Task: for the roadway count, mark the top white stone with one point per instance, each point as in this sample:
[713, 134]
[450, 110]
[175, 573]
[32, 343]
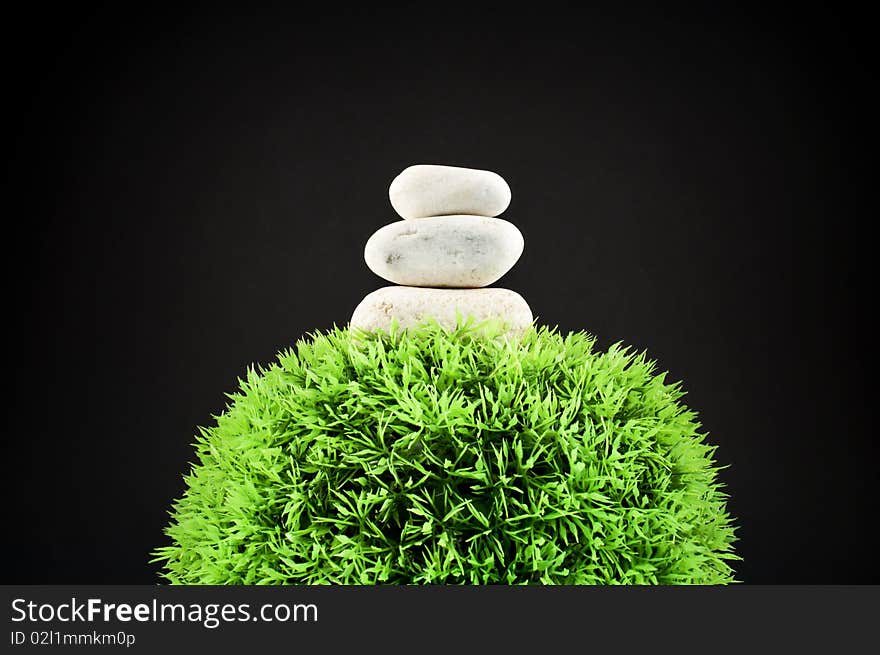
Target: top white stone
[425, 190]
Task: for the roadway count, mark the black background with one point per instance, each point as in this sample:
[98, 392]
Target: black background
[195, 191]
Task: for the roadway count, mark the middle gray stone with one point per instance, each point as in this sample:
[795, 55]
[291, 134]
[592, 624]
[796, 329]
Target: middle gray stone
[457, 251]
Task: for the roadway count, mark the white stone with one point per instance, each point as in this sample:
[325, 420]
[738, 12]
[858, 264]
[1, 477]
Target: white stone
[446, 251]
[413, 305]
[427, 190]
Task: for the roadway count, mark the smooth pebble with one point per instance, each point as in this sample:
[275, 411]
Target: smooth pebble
[426, 190]
[448, 251]
[413, 305]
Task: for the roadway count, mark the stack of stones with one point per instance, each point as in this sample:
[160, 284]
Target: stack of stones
[449, 246]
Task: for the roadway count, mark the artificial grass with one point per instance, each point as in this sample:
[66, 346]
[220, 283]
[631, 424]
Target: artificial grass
[431, 456]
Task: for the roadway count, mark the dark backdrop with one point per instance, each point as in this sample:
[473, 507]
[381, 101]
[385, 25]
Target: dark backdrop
[196, 191]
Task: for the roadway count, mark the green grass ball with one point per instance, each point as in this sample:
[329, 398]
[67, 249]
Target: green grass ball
[434, 456]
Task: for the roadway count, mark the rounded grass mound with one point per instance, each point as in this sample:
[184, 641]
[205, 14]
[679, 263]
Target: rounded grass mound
[432, 456]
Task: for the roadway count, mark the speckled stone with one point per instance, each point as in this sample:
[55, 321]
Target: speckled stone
[447, 251]
[412, 305]
[428, 190]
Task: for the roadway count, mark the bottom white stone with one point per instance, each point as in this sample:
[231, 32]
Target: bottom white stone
[413, 305]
